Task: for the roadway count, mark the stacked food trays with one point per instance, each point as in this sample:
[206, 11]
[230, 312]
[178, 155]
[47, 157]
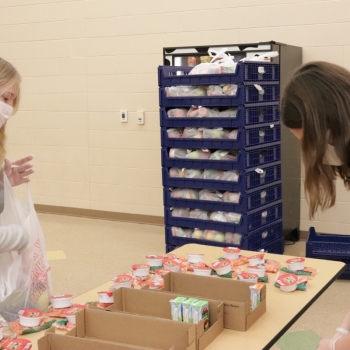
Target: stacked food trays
[221, 157]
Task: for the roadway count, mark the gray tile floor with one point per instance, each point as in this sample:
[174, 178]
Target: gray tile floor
[96, 250]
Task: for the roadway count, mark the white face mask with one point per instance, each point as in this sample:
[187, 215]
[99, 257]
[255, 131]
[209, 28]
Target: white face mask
[5, 112]
[331, 157]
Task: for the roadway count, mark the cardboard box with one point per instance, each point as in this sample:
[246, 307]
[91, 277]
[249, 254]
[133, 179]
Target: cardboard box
[234, 294]
[156, 304]
[139, 331]
[53, 341]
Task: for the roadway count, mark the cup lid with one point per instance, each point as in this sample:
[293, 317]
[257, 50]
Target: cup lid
[287, 279]
[74, 309]
[231, 250]
[161, 272]
[295, 260]
[18, 344]
[30, 313]
[171, 262]
[248, 275]
[140, 267]
[109, 293]
[258, 256]
[154, 257]
[124, 278]
[61, 296]
[220, 263]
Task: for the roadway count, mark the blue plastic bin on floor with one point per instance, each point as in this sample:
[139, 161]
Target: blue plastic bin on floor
[251, 114]
[249, 200]
[249, 222]
[246, 93]
[329, 247]
[247, 179]
[245, 72]
[246, 137]
[247, 158]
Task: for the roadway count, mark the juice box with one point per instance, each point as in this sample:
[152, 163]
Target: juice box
[176, 308]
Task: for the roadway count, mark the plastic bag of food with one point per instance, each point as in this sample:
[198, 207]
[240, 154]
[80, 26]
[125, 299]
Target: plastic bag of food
[180, 212]
[214, 90]
[199, 214]
[212, 174]
[223, 154]
[229, 113]
[178, 91]
[174, 133]
[192, 133]
[198, 234]
[193, 173]
[202, 112]
[185, 193]
[198, 154]
[177, 113]
[233, 238]
[230, 175]
[212, 235]
[181, 232]
[178, 153]
[224, 60]
[218, 216]
[230, 89]
[176, 172]
[232, 134]
[231, 197]
[216, 133]
[210, 195]
[206, 68]
[233, 218]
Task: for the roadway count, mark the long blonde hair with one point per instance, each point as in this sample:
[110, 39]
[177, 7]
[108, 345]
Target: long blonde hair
[9, 77]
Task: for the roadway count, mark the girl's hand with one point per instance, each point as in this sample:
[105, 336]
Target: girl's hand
[17, 172]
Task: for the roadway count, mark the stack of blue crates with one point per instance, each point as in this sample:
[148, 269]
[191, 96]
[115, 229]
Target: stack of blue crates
[258, 162]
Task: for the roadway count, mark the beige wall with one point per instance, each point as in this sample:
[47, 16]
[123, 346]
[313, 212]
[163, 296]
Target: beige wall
[83, 61]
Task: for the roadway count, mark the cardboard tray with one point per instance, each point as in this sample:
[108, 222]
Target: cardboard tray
[121, 329]
[234, 294]
[156, 304]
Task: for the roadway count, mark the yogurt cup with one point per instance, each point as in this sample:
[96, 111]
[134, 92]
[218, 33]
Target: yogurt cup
[256, 260]
[140, 270]
[222, 267]
[195, 258]
[295, 264]
[161, 273]
[231, 253]
[70, 313]
[1, 332]
[30, 317]
[154, 285]
[172, 265]
[123, 280]
[105, 297]
[258, 270]
[61, 301]
[202, 270]
[18, 344]
[248, 277]
[154, 260]
[287, 282]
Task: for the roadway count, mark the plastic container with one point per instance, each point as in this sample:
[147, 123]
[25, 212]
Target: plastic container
[247, 158]
[221, 267]
[30, 317]
[124, 280]
[172, 265]
[295, 264]
[231, 253]
[154, 260]
[61, 301]
[256, 260]
[287, 282]
[105, 297]
[249, 114]
[70, 313]
[246, 137]
[246, 93]
[258, 270]
[248, 277]
[245, 71]
[140, 270]
[201, 270]
[161, 272]
[18, 344]
[195, 258]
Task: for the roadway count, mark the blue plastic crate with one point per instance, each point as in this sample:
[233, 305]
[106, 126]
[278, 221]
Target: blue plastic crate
[276, 247]
[249, 200]
[250, 157]
[250, 221]
[245, 72]
[247, 179]
[329, 247]
[246, 93]
[248, 136]
[251, 114]
[263, 238]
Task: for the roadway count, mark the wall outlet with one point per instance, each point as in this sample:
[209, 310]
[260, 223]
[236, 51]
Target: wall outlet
[124, 116]
[140, 117]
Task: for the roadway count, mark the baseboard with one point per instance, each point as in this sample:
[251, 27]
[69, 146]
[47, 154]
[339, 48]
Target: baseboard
[99, 214]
